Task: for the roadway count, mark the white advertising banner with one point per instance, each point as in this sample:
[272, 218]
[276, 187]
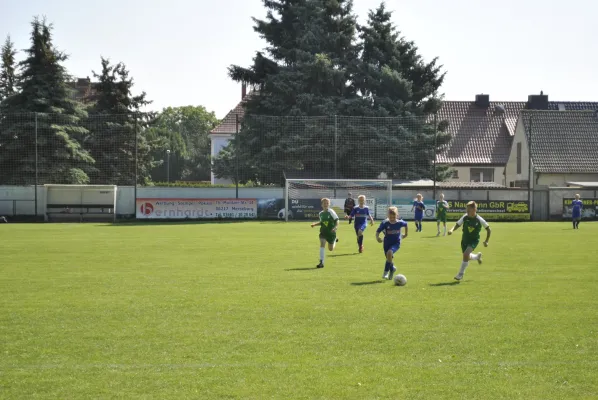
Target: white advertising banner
[196, 208]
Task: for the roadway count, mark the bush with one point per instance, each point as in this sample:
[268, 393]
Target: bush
[207, 185]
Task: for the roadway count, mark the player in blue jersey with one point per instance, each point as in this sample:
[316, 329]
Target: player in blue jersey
[392, 239]
[361, 214]
[576, 207]
[419, 207]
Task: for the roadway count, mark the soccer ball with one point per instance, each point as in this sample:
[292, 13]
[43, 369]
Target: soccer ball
[400, 280]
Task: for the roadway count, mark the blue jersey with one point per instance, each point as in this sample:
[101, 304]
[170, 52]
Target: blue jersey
[419, 207]
[392, 231]
[360, 214]
[576, 206]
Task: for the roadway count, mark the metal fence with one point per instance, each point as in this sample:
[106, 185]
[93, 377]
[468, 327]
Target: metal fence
[128, 149]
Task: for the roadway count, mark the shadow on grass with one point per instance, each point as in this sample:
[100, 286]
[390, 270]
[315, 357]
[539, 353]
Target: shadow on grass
[343, 255]
[366, 283]
[430, 237]
[302, 269]
[445, 284]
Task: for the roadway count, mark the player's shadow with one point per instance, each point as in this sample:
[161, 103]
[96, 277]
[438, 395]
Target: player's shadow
[342, 255]
[366, 283]
[444, 284]
[302, 269]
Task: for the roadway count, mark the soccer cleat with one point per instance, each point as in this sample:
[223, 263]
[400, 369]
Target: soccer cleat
[458, 277]
[480, 258]
[438, 234]
[320, 265]
[361, 249]
[392, 272]
[385, 276]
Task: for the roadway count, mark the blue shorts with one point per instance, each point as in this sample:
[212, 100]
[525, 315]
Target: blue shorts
[391, 246]
[360, 227]
[576, 216]
[419, 217]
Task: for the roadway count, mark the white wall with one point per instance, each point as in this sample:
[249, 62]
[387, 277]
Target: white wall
[560, 180]
[464, 173]
[22, 198]
[219, 141]
[511, 170]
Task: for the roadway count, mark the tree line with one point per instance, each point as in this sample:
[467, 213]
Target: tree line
[44, 130]
[320, 62]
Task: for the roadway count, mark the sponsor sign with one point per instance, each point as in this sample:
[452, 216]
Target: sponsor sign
[310, 208]
[589, 210]
[490, 207]
[165, 208]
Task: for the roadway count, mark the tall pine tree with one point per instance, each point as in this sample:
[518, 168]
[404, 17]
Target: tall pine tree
[44, 105]
[395, 82]
[115, 123]
[304, 72]
[8, 73]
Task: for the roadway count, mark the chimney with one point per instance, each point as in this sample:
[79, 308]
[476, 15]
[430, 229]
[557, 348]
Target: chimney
[537, 101]
[482, 100]
[243, 90]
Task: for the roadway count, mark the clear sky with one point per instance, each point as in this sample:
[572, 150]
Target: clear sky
[178, 51]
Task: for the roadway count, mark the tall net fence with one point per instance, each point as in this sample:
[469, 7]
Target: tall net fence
[269, 149]
[43, 149]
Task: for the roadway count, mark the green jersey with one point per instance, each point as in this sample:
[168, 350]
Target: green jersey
[471, 228]
[441, 208]
[328, 220]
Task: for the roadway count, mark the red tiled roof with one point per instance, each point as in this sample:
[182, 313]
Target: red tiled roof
[479, 135]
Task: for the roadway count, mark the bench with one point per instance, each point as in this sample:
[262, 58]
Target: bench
[80, 210]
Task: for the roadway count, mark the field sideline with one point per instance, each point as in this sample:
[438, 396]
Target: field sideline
[238, 311]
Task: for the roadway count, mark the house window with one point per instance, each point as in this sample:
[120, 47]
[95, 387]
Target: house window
[455, 174]
[481, 174]
[519, 157]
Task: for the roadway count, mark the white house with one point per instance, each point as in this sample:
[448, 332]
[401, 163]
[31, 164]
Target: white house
[562, 145]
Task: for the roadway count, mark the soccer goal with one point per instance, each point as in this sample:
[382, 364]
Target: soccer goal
[80, 203]
[302, 196]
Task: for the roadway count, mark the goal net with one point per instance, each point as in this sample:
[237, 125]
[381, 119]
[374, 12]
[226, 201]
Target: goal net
[302, 196]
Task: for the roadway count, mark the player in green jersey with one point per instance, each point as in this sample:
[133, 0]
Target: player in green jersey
[472, 225]
[328, 225]
[441, 209]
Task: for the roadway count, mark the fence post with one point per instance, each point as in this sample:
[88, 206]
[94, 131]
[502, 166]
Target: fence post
[237, 155]
[36, 166]
[335, 146]
[435, 144]
[136, 116]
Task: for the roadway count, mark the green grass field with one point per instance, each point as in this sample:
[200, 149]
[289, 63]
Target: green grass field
[237, 311]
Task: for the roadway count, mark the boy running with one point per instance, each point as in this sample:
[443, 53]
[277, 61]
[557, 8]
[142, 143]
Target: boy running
[472, 225]
[419, 207]
[361, 213]
[349, 205]
[328, 225]
[441, 209]
[392, 239]
[576, 207]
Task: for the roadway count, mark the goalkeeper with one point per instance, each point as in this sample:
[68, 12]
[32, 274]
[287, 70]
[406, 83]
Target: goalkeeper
[349, 205]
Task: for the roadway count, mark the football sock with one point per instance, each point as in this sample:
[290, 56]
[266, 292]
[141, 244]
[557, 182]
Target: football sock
[445, 230]
[573, 224]
[474, 256]
[387, 266]
[464, 265]
[360, 240]
[322, 253]
[577, 224]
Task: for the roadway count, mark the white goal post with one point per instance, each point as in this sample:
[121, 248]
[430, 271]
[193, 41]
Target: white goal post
[302, 196]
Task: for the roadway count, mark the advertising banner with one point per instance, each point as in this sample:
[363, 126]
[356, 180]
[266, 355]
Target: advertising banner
[589, 210]
[165, 208]
[310, 208]
[490, 207]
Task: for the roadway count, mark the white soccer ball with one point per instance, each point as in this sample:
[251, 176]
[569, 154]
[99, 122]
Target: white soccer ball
[400, 280]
